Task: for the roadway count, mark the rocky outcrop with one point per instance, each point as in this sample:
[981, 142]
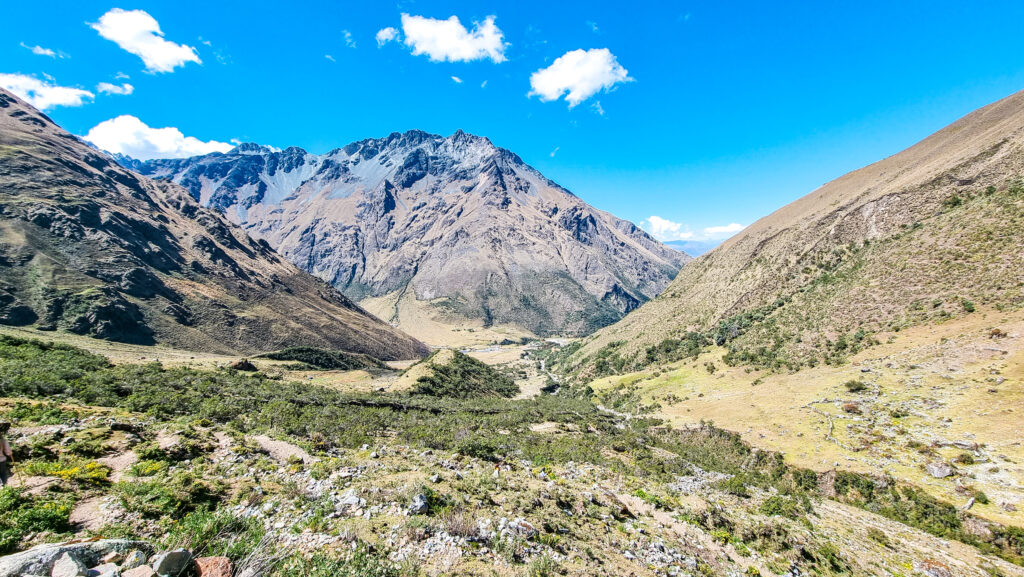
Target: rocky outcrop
[91, 248]
[457, 222]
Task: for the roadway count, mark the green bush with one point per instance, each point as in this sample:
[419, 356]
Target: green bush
[464, 377]
[325, 359]
[168, 494]
[22, 514]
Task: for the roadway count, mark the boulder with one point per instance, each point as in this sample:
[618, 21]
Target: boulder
[244, 365]
[939, 469]
[419, 505]
[140, 571]
[172, 563]
[213, 567]
[68, 565]
[40, 560]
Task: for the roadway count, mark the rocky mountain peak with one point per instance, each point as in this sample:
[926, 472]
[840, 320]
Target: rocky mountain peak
[457, 223]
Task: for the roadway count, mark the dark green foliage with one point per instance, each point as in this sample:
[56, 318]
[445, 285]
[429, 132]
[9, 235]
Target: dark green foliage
[781, 506]
[855, 386]
[325, 359]
[168, 494]
[21, 514]
[464, 377]
[41, 413]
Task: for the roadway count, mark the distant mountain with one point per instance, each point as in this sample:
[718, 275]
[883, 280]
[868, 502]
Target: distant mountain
[930, 233]
[454, 228]
[89, 247]
[693, 248]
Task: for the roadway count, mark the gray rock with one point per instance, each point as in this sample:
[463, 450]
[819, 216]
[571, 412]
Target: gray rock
[68, 565]
[134, 559]
[419, 505]
[939, 470]
[40, 560]
[172, 563]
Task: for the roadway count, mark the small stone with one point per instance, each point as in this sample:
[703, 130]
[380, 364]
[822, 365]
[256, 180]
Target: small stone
[213, 567]
[140, 571]
[134, 559]
[112, 557]
[172, 563]
[68, 566]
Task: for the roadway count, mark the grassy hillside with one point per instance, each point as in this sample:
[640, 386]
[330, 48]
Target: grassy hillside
[295, 477]
[927, 234]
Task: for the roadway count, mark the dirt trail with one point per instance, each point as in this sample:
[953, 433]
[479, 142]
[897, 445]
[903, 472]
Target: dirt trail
[282, 451]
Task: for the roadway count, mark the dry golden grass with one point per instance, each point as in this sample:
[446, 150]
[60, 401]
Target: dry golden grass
[937, 379]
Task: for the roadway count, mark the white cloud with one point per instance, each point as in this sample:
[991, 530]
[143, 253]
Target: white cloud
[129, 135]
[449, 40]
[349, 41]
[483, 84]
[555, 151]
[726, 230]
[593, 27]
[139, 33]
[579, 75]
[109, 88]
[457, 79]
[42, 94]
[40, 51]
[329, 57]
[666, 230]
[597, 108]
[385, 35]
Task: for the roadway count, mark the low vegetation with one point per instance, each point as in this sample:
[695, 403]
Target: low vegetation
[180, 494]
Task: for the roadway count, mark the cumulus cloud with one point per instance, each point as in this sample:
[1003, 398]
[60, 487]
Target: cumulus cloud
[726, 230]
[40, 51]
[108, 88]
[139, 33]
[128, 135]
[449, 40]
[578, 75]
[667, 230]
[664, 229]
[43, 94]
[385, 35]
[349, 41]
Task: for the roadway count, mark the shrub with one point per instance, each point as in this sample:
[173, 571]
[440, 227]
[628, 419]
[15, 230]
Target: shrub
[77, 470]
[780, 506]
[855, 386]
[22, 514]
[325, 359]
[464, 377]
[162, 495]
[217, 533]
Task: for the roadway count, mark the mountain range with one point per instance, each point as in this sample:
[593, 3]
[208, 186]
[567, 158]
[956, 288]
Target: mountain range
[89, 247]
[426, 230]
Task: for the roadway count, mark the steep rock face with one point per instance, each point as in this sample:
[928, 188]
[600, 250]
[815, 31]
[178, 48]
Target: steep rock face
[928, 233]
[89, 247]
[455, 222]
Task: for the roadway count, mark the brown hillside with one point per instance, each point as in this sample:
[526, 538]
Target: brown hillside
[917, 237]
[89, 247]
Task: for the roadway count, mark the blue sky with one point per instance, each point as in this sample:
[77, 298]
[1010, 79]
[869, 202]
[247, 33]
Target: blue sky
[703, 114]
